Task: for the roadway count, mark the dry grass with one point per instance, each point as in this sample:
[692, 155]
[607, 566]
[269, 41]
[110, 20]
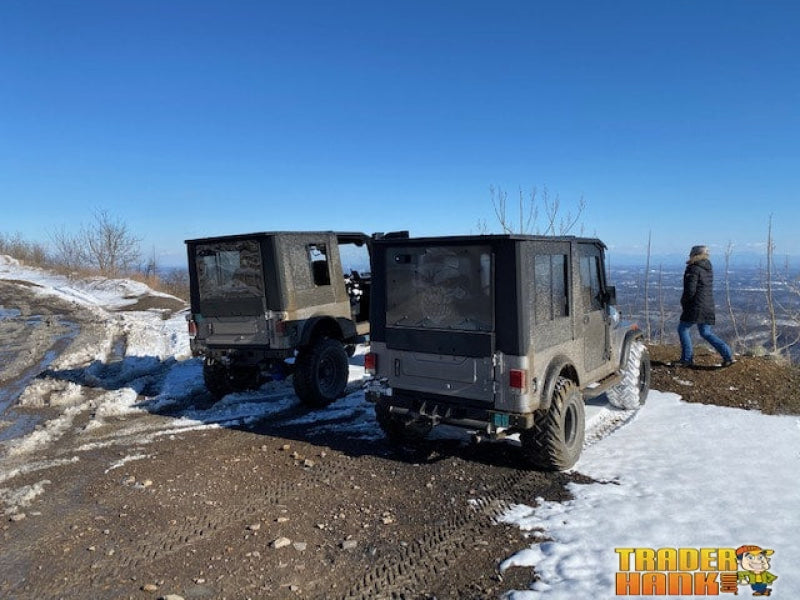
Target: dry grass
[175, 283]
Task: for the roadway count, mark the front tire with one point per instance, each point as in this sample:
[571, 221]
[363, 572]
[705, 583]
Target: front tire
[321, 373]
[555, 441]
[631, 392]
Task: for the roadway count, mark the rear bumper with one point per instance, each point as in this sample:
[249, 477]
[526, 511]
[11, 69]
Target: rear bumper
[446, 409]
[244, 354]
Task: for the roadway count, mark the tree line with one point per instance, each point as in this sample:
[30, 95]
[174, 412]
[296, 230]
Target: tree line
[104, 246]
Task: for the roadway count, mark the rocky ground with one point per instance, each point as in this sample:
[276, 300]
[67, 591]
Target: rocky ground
[273, 509]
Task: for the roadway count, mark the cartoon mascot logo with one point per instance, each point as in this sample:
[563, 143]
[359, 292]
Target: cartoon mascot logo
[753, 569]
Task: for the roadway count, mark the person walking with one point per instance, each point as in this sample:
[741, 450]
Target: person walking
[697, 303]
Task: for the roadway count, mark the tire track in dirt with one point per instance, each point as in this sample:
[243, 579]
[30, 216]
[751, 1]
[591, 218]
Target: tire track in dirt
[420, 565]
[180, 536]
[163, 543]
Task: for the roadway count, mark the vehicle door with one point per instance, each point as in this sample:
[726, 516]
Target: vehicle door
[594, 320]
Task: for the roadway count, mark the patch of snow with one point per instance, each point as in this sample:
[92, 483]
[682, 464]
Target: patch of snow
[46, 435]
[8, 261]
[124, 461]
[14, 499]
[34, 466]
[679, 475]
[51, 392]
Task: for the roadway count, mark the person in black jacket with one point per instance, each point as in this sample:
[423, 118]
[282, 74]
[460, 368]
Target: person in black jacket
[697, 303]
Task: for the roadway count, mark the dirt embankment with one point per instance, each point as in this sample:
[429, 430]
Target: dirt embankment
[753, 382]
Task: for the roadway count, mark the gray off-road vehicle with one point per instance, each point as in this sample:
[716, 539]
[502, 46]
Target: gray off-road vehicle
[499, 334]
[269, 305]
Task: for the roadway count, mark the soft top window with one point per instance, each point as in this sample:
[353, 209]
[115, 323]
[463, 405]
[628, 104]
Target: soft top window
[229, 270]
[440, 287]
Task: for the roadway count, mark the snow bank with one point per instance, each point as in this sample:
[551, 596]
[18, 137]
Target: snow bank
[6, 260]
[679, 475]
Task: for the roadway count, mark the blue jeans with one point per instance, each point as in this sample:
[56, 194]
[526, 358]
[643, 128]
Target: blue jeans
[687, 352]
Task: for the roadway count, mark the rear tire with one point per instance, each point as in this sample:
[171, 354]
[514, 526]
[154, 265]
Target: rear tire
[631, 392]
[555, 441]
[321, 373]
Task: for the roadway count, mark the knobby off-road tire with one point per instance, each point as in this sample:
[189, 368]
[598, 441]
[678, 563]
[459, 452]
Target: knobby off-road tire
[555, 441]
[400, 431]
[321, 373]
[632, 391]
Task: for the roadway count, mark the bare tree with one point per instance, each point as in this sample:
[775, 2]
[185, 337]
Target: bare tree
[28, 252]
[773, 321]
[647, 289]
[499, 199]
[67, 249]
[662, 322]
[553, 212]
[108, 245]
[528, 207]
[728, 253]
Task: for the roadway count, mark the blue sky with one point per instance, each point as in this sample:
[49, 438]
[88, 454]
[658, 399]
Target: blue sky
[187, 119]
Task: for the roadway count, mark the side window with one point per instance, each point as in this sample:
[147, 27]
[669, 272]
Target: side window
[590, 283]
[550, 287]
[318, 257]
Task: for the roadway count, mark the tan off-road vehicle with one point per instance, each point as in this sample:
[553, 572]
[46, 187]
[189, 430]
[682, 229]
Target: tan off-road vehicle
[269, 305]
[499, 334]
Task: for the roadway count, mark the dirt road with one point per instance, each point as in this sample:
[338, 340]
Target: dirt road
[253, 497]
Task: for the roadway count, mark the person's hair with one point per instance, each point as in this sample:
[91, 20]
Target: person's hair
[697, 253]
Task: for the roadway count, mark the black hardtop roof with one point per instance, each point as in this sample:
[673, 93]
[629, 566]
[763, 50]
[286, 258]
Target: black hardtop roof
[342, 236]
[489, 238]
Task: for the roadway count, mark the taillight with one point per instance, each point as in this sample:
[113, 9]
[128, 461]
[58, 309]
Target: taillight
[192, 328]
[371, 363]
[517, 379]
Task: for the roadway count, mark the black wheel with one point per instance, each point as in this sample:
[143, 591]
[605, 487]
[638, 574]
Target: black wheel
[399, 430]
[321, 372]
[216, 378]
[632, 391]
[555, 441]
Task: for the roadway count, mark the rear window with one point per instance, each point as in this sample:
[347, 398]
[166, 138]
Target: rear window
[227, 270]
[440, 287]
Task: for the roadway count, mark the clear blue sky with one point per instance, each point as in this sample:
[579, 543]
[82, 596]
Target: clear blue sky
[187, 119]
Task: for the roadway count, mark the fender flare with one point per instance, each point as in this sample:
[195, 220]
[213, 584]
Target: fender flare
[557, 367]
[317, 327]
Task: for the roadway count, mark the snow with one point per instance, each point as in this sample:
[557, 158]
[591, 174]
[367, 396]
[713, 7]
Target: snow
[679, 475]
[670, 475]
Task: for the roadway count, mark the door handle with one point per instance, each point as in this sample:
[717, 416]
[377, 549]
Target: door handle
[585, 319]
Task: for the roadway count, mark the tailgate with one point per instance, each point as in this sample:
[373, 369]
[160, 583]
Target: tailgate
[464, 377]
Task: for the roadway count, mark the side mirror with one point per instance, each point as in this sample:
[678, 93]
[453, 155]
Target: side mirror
[611, 295]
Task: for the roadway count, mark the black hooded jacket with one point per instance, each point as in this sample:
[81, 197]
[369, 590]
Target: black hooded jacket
[697, 300]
